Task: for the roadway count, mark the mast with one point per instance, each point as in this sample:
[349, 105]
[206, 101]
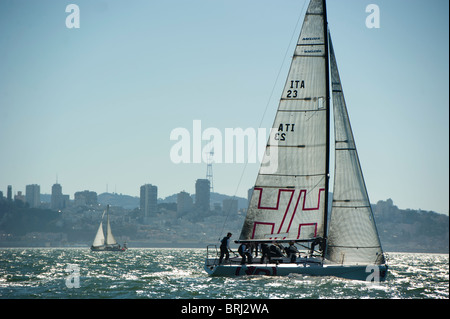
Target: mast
[327, 103]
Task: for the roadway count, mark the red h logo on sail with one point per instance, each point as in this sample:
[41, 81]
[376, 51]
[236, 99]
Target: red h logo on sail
[287, 206]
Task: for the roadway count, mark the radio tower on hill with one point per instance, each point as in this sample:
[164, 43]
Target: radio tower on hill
[209, 171]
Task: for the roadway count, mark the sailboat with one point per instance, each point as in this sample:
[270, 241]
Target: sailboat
[291, 193]
[110, 244]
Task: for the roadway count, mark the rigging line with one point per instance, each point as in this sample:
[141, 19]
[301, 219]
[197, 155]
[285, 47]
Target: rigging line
[294, 32]
[284, 60]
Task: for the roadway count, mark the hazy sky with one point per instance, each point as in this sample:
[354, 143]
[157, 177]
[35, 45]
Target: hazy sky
[96, 105]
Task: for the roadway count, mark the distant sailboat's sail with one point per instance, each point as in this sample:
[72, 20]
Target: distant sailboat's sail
[99, 239]
[288, 200]
[110, 240]
[352, 236]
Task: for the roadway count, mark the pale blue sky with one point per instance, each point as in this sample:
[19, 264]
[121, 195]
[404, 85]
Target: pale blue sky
[96, 105]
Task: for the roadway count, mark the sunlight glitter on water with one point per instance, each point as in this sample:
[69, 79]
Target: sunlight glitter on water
[178, 273]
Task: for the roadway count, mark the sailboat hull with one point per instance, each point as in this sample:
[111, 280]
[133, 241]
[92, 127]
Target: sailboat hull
[106, 248]
[353, 272]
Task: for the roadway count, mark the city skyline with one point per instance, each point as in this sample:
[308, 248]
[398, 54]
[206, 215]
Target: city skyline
[61, 199]
[96, 105]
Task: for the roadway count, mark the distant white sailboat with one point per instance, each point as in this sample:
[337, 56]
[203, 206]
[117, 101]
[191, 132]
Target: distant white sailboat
[289, 203]
[110, 244]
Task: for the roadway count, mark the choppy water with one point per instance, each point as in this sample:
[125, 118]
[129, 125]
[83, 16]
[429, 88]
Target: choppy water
[179, 274]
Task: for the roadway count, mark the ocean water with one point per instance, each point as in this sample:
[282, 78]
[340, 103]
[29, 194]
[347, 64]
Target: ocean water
[69, 273]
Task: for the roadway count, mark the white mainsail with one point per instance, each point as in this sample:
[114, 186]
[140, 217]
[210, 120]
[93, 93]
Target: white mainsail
[289, 197]
[99, 239]
[352, 236]
[110, 240]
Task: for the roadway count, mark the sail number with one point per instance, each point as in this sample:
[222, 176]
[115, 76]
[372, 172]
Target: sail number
[292, 93]
[293, 90]
[282, 131]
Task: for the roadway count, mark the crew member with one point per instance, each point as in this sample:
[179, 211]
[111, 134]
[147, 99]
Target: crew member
[292, 251]
[225, 248]
[244, 251]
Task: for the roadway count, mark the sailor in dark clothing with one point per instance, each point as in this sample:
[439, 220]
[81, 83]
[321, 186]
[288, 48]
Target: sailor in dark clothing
[275, 250]
[265, 252]
[253, 247]
[225, 248]
[292, 251]
[244, 251]
[318, 241]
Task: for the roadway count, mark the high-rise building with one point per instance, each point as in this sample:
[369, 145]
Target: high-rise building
[85, 198]
[149, 200]
[9, 193]
[20, 197]
[58, 199]
[202, 196]
[33, 195]
[184, 203]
